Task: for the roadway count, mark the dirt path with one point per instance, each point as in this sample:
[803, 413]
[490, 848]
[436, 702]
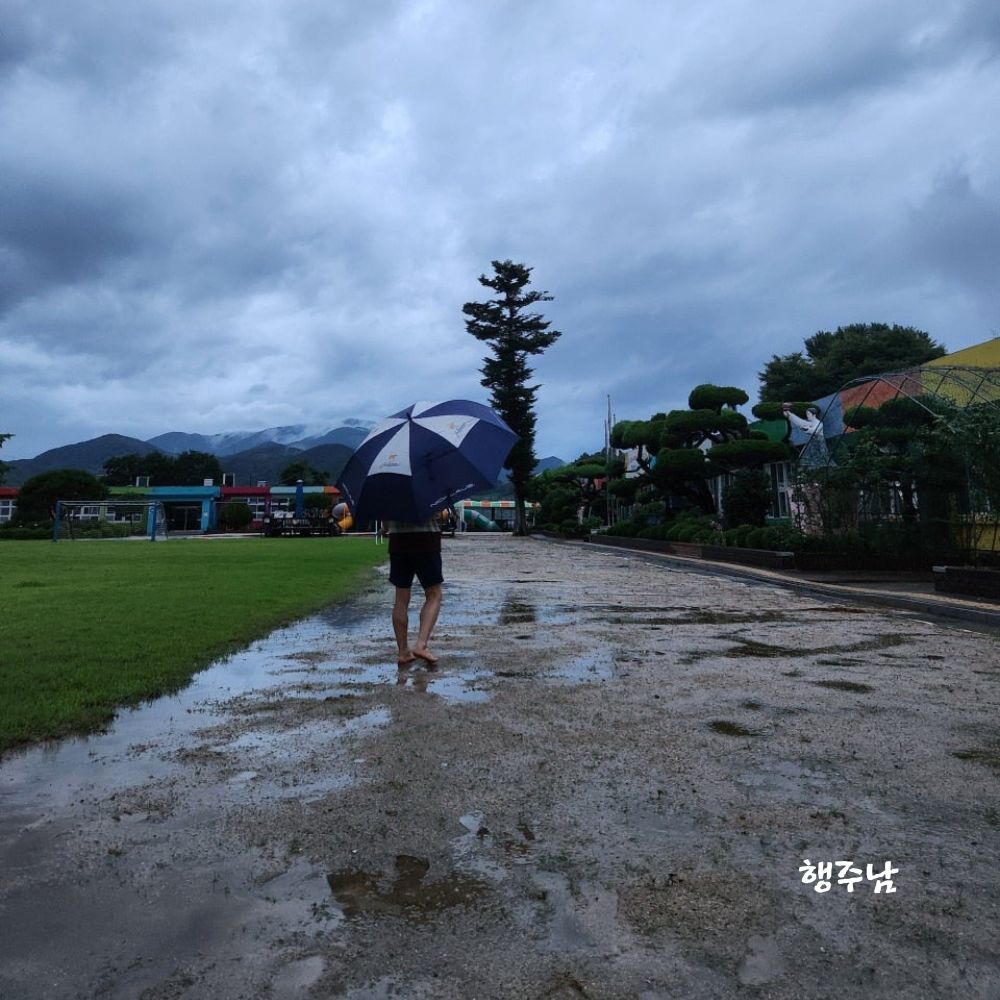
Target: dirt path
[607, 789]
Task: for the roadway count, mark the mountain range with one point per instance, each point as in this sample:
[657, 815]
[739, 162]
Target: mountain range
[250, 457]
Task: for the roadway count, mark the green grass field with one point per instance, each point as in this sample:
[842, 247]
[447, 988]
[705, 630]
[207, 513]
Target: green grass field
[86, 627]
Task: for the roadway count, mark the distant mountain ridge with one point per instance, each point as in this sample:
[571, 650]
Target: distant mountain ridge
[300, 436]
[250, 456]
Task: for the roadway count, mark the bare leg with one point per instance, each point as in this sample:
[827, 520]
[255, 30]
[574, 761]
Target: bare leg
[428, 619]
[401, 625]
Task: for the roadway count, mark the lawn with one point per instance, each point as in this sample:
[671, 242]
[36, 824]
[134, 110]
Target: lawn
[88, 627]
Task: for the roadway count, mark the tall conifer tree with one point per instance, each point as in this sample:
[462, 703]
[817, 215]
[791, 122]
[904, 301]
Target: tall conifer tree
[513, 333]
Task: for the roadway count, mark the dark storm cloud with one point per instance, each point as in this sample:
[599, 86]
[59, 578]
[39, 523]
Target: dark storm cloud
[956, 231]
[53, 234]
[843, 53]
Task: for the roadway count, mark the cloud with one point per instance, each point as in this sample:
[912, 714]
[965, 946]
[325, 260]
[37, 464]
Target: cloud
[220, 217]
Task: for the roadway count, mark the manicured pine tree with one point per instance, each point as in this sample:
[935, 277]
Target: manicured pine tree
[513, 333]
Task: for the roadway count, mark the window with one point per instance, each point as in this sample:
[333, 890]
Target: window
[779, 489]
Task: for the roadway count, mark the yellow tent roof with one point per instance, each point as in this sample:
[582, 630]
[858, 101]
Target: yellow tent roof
[985, 355]
[971, 375]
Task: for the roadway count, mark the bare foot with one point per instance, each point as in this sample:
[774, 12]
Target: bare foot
[405, 659]
[427, 656]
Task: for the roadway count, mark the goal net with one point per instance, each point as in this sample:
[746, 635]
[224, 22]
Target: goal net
[83, 519]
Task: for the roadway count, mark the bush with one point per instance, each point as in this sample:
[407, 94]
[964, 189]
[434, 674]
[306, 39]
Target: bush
[746, 499]
[314, 503]
[235, 516]
[22, 533]
[738, 536]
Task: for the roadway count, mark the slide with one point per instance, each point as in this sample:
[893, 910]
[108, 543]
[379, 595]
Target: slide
[342, 516]
[479, 522]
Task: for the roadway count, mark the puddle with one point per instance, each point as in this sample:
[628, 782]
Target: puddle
[298, 975]
[755, 649]
[591, 668]
[585, 920]
[990, 756]
[517, 613]
[845, 686]
[405, 892]
[791, 781]
[288, 744]
[687, 616]
[726, 728]
[452, 687]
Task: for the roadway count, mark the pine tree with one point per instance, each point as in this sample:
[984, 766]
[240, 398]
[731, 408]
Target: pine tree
[513, 333]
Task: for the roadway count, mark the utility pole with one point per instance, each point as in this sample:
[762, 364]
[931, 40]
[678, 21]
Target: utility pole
[608, 424]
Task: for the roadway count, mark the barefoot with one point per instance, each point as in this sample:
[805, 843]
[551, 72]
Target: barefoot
[405, 659]
[427, 656]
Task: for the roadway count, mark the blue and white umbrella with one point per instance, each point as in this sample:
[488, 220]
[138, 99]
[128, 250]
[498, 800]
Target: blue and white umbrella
[425, 458]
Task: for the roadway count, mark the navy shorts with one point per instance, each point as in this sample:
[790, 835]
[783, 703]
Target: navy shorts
[426, 566]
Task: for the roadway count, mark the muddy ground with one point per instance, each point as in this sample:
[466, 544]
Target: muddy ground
[607, 789]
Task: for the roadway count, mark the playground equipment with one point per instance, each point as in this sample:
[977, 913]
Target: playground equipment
[342, 516]
[478, 521]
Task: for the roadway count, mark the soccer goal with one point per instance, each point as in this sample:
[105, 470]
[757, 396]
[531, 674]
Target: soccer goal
[84, 519]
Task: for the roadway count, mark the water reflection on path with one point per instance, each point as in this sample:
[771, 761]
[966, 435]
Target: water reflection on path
[341, 653]
[60, 773]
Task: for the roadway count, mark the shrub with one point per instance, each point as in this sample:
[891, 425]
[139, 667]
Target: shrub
[746, 499]
[570, 527]
[738, 536]
[235, 516]
[314, 503]
[19, 533]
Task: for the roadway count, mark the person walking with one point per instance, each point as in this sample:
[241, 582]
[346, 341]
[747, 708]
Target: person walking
[415, 551]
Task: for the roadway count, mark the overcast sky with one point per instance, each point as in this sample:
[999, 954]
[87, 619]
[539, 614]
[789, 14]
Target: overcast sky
[218, 216]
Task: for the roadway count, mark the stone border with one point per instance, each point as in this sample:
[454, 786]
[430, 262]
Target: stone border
[968, 581]
[764, 558]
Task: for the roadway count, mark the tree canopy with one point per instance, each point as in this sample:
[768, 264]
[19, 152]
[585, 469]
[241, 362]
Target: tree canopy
[187, 469]
[849, 352]
[36, 499]
[513, 333]
[310, 476]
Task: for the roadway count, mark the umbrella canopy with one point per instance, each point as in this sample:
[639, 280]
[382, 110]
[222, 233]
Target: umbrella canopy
[423, 459]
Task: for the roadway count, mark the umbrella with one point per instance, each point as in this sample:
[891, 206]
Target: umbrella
[425, 458]
[300, 500]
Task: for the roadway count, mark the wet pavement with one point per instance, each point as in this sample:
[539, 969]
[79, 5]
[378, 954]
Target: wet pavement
[607, 789]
